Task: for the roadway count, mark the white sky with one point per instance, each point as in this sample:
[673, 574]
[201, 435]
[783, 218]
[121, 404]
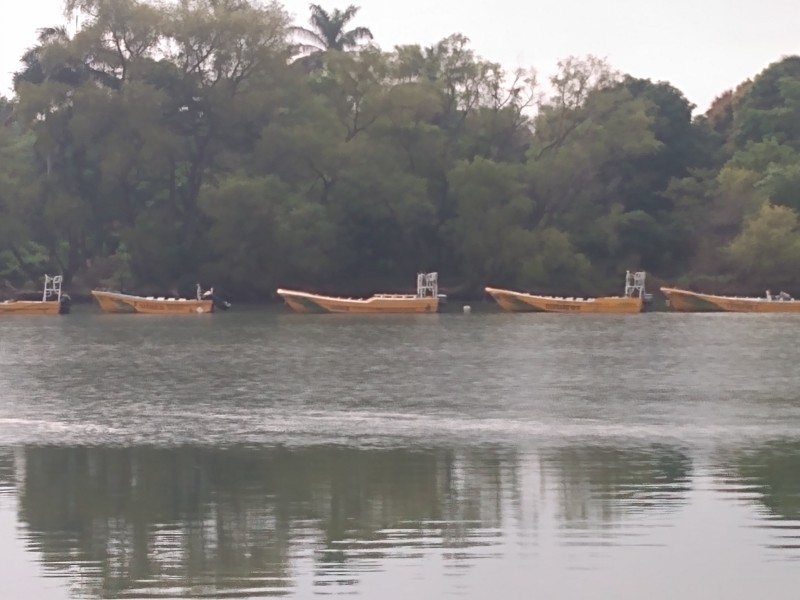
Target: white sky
[702, 47]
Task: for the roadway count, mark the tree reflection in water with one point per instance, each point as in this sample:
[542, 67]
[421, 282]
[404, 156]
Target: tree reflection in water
[206, 519]
[195, 521]
[599, 486]
[772, 471]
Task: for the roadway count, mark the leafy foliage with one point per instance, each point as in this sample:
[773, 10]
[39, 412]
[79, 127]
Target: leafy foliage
[767, 251]
[162, 144]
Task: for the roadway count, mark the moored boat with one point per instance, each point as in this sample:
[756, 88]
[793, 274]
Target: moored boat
[117, 302]
[687, 301]
[53, 302]
[632, 301]
[426, 300]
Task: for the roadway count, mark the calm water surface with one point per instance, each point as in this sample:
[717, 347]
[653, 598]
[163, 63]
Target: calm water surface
[258, 453]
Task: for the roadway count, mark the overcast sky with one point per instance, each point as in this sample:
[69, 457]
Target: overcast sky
[702, 47]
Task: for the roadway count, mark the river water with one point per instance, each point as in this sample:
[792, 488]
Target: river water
[257, 453]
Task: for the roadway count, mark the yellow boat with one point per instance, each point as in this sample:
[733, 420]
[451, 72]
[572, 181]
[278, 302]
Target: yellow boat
[426, 300]
[686, 301]
[117, 302]
[53, 302]
[632, 302]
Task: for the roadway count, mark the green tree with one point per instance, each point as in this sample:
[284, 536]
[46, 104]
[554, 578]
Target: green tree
[767, 252]
[21, 258]
[182, 91]
[162, 143]
[255, 221]
[771, 106]
[490, 233]
[584, 138]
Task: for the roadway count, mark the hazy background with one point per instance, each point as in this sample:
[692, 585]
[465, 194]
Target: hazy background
[702, 48]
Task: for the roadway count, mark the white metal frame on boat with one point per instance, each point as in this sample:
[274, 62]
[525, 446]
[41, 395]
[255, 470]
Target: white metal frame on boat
[52, 287]
[427, 287]
[634, 284]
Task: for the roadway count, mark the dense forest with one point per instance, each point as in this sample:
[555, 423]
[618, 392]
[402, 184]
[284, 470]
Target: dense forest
[156, 145]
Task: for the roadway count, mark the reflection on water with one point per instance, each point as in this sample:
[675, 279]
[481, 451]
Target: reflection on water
[194, 519]
[598, 486]
[263, 454]
[769, 475]
[773, 472]
[259, 521]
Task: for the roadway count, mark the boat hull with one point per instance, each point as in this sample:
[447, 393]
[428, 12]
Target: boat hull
[303, 302]
[31, 307]
[113, 302]
[521, 302]
[686, 301]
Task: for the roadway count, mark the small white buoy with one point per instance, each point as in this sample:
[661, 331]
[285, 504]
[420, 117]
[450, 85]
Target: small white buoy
[467, 309]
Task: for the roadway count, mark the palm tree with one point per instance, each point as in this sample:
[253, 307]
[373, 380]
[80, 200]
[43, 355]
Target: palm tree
[327, 31]
[34, 70]
[62, 66]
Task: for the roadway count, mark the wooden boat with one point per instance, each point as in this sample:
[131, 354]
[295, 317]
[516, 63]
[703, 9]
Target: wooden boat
[117, 302]
[426, 300]
[686, 301]
[53, 302]
[632, 301]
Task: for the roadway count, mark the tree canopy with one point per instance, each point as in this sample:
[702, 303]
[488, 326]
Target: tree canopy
[166, 143]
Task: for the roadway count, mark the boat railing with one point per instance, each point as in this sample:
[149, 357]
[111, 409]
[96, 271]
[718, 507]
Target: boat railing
[403, 296]
[563, 298]
[52, 288]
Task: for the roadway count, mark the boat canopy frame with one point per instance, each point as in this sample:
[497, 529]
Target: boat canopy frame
[52, 287]
[427, 285]
[634, 284]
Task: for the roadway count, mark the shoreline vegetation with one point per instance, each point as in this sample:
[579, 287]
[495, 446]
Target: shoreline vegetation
[161, 145]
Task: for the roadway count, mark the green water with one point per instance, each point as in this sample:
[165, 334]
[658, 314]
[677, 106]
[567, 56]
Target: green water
[258, 453]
